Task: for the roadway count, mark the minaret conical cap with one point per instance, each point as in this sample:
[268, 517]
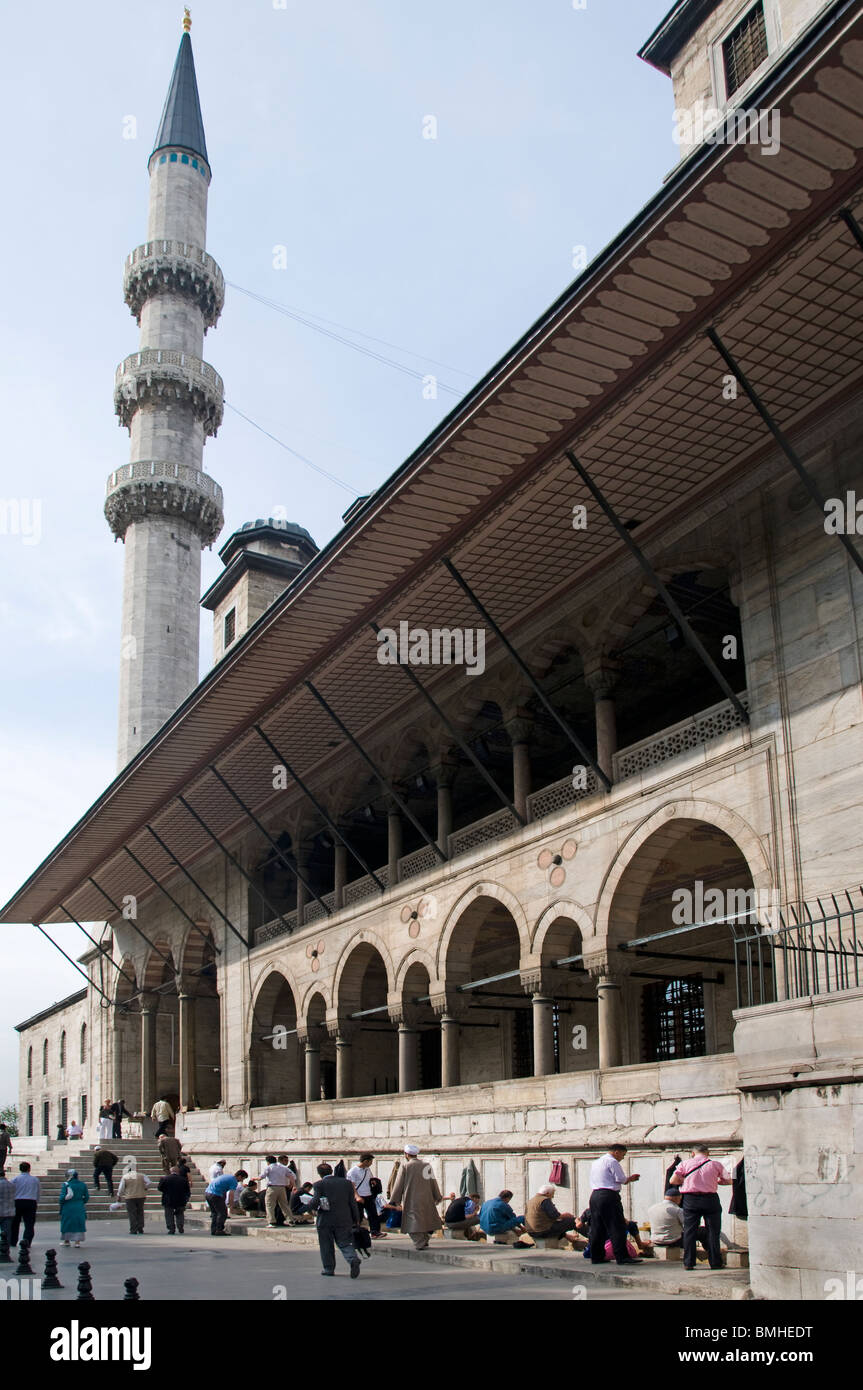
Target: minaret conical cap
[181, 124]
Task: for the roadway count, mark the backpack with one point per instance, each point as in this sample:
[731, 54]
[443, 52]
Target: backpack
[363, 1242]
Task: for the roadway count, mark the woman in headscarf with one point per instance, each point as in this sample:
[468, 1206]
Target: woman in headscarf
[73, 1201]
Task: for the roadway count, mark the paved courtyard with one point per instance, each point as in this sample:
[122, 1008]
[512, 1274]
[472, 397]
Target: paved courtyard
[196, 1266]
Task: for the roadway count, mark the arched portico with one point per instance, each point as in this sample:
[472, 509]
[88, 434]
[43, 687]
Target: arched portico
[275, 1054]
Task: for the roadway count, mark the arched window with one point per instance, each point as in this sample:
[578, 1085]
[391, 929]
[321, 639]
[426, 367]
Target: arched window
[29, 1064]
[83, 1045]
[63, 1048]
[45, 1060]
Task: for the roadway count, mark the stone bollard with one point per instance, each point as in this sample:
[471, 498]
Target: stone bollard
[5, 1257]
[85, 1284]
[24, 1259]
[131, 1287]
[50, 1280]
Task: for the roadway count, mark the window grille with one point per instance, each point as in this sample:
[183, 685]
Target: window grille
[230, 627]
[673, 1016]
[745, 48]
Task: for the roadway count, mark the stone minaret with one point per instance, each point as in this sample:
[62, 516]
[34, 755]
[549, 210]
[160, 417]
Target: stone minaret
[162, 505]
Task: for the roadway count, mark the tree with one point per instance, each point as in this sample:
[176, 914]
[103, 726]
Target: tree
[9, 1116]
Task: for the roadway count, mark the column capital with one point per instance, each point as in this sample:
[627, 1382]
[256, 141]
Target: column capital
[148, 1002]
[342, 1030]
[601, 675]
[403, 1014]
[446, 1004]
[536, 980]
[520, 726]
[310, 1034]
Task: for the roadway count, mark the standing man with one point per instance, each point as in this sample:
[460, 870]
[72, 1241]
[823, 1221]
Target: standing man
[280, 1180]
[27, 1193]
[361, 1177]
[118, 1113]
[176, 1192]
[5, 1144]
[699, 1177]
[220, 1199]
[607, 1221]
[7, 1207]
[170, 1149]
[218, 1169]
[104, 1162]
[418, 1195]
[162, 1114]
[133, 1191]
[335, 1204]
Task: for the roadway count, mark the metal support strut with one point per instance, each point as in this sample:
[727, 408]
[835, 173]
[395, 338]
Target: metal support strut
[99, 947]
[232, 859]
[318, 807]
[463, 745]
[172, 899]
[689, 636]
[529, 677]
[292, 868]
[72, 963]
[183, 870]
[792, 457]
[388, 787]
[132, 923]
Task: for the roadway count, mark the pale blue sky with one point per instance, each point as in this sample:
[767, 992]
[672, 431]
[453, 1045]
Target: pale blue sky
[551, 134]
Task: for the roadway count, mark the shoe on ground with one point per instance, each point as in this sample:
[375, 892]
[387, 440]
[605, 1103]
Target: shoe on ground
[630, 1261]
[355, 1269]
[521, 1245]
[328, 1273]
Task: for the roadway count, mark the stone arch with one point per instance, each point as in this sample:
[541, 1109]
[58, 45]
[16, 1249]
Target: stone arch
[364, 982]
[416, 955]
[664, 824]
[275, 1061]
[156, 971]
[364, 938]
[563, 908]
[679, 876]
[484, 889]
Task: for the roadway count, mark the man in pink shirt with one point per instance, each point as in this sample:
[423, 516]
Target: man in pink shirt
[699, 1177]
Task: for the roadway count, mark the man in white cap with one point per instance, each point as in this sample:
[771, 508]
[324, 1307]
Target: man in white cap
[418, 1195]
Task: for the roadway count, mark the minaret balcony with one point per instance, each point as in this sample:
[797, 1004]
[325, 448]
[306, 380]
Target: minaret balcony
[174, 267]
[159, 375]
[155, 487]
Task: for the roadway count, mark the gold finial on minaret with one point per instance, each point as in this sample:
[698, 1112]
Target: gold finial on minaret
[187, 20]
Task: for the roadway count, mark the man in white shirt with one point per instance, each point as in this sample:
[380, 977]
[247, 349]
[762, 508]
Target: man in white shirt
[361, 1177]
[27, 1191]
[607, 1221]
[279, 1180]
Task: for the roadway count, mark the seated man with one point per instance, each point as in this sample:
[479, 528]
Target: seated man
[299, 1206]
[666, 1222]
[251, 1200]
[462, 1214]
[497, 1218]
[543, 1220]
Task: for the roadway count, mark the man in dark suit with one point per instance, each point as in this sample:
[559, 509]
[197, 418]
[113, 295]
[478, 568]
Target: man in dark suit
[334, 1203]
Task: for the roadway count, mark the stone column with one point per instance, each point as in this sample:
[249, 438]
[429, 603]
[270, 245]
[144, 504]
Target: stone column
[609, 995]
[149, 1009]
[444, 775]
[343, 1032]
[340, 874]
[310, 1039]
[450, 1010]
[188, 1056]
[519, 730]
[117, 1056]
[601, 679]
[394, 842]
[302, 860]
[543, 1036]
[405, 1017]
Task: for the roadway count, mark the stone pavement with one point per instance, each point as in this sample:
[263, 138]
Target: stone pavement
[198, 1267]
[651, 1279]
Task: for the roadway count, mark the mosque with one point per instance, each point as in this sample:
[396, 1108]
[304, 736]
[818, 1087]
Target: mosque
[603, 883]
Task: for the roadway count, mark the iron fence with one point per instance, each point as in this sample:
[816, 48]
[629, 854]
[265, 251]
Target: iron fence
[807, 948]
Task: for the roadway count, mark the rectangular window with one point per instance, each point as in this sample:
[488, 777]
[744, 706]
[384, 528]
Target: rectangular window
[30, 1121]
[64, 1112]
[230, 627]
[83, 1111]
[673, 1019]
[46, 1116]
[745, 48]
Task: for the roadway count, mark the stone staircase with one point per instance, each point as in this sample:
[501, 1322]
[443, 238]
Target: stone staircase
[80, 1157]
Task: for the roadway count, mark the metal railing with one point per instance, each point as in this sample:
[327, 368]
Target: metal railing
[808, 948]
